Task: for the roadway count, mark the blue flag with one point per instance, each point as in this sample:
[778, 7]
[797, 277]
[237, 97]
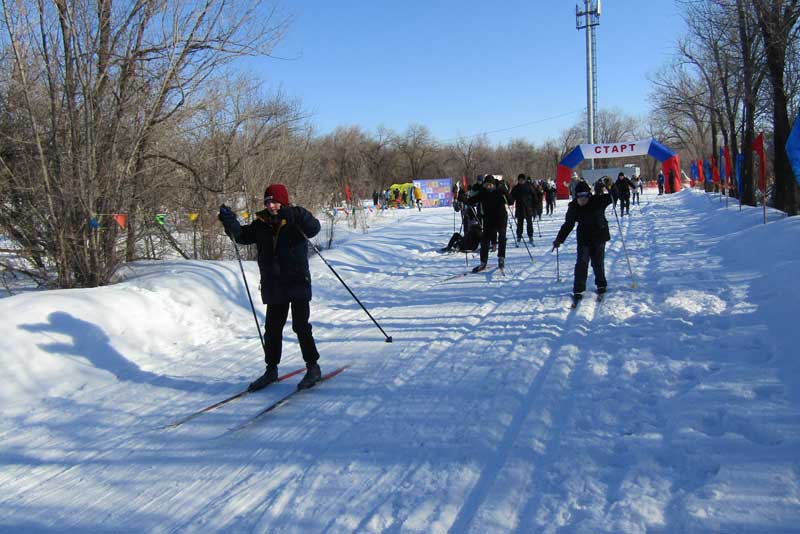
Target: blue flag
[739, 160]
[722, 165]
[707, 170]
[793, 149]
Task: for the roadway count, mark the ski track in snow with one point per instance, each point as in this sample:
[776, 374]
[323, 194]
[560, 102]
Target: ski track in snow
[668, 407]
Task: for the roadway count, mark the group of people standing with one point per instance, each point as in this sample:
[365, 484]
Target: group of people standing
[410, 197]
[586, 210]
[489, 199]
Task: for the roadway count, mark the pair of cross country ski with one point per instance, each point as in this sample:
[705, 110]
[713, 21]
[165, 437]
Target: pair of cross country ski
[279, 402]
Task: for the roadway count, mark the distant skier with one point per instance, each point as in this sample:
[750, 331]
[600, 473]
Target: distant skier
[550, 197]
[660, 182]
[622, 191]
[637, 187]
[493, 199]
[277, 233]
[589, 212]
[522, 198]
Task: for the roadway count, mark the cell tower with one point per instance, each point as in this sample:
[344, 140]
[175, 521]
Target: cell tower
[588, 19]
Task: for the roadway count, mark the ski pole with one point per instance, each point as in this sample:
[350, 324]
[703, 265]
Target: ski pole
[630, 270]
[558, 270]
[388, 337]
[523, 241]
[247, 288]
[516, 241]
[539, 227]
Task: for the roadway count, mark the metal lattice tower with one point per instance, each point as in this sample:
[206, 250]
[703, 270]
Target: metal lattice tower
[588, 19]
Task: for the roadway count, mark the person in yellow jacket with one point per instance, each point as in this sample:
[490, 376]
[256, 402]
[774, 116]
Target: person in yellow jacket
[418, 197]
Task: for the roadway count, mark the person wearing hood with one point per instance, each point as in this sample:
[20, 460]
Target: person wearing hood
[279, 233]
[493, 199]
[589, 213]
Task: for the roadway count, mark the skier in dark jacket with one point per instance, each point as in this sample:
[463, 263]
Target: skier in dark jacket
[589, 212]
[623, 187]
[493, 199]
[279, 233]
[522, 198]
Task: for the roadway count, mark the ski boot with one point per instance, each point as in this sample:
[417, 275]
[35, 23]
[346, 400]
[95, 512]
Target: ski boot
[479, 268]
[269, 376]
[313, 375]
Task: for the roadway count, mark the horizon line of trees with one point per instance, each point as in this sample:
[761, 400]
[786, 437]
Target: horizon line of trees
[134, 106]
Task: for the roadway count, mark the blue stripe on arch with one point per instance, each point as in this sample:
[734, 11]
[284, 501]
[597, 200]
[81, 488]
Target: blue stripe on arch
[659, 151]
[573, 159]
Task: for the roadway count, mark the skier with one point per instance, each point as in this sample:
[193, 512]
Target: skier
[279, 233]
[493, 199]
[637, 187]
[550, 196]
[522, 198]
[660, 182]
[622, 189]
[589, 212]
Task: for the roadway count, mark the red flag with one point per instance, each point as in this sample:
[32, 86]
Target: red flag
[714, 170]
[464, 181]
[700, 174]
[758, 146]
[347, 192]
[121, 219]
[728, 166]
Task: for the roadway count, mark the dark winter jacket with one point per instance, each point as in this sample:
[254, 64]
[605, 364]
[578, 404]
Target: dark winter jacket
[591, 219]
[493, 204]
[623, 187]
[282, 251]
[522, 197]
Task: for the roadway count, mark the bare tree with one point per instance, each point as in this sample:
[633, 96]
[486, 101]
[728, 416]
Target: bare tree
[90, 86]
[416, 147]
[777, 20]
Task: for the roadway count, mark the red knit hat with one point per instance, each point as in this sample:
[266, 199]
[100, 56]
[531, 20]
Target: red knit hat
[277, 193]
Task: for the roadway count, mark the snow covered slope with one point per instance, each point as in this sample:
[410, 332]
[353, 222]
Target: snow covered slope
[673, 406]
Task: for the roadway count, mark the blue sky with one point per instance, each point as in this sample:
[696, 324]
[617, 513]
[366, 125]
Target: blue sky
[465, 67]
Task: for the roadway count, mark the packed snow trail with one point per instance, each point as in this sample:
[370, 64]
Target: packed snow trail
[672, 407]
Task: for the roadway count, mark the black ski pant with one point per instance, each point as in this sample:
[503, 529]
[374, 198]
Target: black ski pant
[276, 320]
[635, 197]
[625, 205]
[595, 253]
[524, 217]
[494, 230]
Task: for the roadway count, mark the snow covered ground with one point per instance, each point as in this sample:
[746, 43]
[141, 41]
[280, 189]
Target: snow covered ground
[673, 406]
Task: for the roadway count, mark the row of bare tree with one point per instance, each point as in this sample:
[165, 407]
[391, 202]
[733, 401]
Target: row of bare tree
[135, 107]
[736, 70]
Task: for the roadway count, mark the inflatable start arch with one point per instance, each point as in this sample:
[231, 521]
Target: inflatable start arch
[648, 147]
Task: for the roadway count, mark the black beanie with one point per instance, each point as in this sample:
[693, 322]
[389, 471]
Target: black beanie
[582, 187]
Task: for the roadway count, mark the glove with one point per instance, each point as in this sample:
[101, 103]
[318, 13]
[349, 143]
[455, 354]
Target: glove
[556, 244]
[226, 215]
